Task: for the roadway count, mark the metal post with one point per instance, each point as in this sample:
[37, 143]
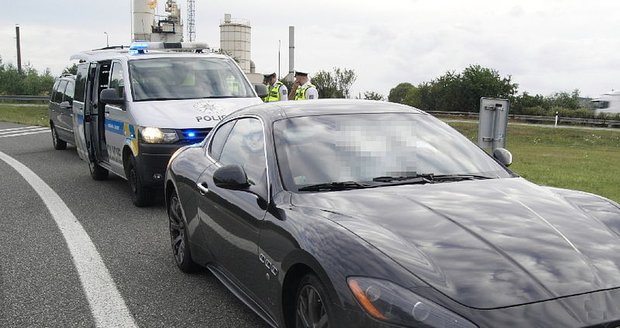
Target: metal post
[19, 51]
[279, 44]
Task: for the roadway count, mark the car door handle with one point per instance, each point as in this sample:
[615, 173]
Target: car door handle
[203, 188]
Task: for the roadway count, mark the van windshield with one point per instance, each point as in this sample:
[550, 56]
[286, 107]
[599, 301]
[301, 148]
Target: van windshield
[186, 78]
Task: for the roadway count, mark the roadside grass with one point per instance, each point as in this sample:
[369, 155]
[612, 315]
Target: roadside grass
[581, 159]
[30, 114]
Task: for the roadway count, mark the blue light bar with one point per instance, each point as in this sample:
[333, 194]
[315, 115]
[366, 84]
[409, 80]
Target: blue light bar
[191, 134]
[138, 48]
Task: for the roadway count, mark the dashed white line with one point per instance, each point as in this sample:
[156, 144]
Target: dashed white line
[23, 131]
[106, 303]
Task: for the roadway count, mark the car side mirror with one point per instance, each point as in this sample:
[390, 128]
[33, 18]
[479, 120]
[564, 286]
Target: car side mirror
[503, 156]
[261, 90]
[110, 96]
[231, 177]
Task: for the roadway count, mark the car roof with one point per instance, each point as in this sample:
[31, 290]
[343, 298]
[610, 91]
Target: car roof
[298, 108]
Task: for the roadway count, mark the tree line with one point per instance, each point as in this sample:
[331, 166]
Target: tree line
[452, 92]
[461, 92]
[27, 82]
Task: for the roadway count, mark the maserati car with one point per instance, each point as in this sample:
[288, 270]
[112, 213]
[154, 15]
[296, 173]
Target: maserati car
[354, 213]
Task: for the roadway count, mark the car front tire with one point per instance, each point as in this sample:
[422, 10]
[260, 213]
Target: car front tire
[178, 235]
[312, 307]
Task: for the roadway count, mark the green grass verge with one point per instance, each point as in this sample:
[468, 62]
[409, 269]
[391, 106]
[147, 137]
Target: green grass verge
[581, 159]
[24, 114]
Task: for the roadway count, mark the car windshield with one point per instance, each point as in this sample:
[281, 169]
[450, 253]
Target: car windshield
[338, 151]
[186, 78]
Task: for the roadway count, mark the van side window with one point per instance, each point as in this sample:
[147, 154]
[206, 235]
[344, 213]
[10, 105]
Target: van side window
[116, 79]
[80, 83]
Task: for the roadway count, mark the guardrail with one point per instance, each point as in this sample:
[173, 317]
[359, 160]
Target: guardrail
[24, 98]
[540, 119]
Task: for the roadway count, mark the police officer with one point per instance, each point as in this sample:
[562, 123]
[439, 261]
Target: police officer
[277, 89]
[302, 88]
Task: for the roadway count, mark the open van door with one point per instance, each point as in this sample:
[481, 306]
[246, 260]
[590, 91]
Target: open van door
[79, 101]
[85, 117]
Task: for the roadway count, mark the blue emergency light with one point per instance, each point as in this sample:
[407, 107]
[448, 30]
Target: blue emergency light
[191, 134]
[138, 48]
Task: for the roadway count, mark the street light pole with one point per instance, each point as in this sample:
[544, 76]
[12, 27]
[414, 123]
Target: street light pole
[107, 39]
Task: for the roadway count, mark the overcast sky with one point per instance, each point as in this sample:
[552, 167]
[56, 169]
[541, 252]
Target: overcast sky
[546, 46]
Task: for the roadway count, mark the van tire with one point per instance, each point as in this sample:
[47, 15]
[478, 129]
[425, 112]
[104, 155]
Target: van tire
[97, 172]
[140, 195]
[58, 144]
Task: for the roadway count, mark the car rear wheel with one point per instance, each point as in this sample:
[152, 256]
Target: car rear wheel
[312, 307]
[58, 144]
[178, 235]
[140, 195]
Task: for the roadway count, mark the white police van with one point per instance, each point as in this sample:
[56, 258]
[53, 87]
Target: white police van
[135, 106]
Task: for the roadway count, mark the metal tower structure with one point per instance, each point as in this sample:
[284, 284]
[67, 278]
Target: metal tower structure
[191, 20]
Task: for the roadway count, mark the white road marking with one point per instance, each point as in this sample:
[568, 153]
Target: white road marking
[21, 128]
[22, 131]
[106, 303]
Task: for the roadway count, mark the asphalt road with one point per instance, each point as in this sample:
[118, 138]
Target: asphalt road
[39, 283]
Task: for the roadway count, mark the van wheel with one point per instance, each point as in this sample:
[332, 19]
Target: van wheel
[97, 172]
[140, 195]
[58, 144]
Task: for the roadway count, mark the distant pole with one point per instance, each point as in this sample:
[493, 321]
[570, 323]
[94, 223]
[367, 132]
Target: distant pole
[107, 39]
[279, 44]
[19, 51]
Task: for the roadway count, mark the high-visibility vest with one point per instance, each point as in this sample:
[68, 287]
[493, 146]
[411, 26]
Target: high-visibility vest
[300, 94]
[274, 92]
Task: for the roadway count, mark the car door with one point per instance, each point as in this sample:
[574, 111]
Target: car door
[231, 218]
[65, 117]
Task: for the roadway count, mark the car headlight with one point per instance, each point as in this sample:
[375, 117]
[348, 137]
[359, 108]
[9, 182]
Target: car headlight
[389, 302]
[157, 135]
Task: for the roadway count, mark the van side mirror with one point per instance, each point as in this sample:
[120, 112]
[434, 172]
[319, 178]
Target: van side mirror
[261, 90]
[231, 177]
[110, 96]
[503, 156]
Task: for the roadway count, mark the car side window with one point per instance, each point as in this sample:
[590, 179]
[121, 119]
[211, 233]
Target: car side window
[220, 136]
[245, 147]
[57, 97]
[69, 91]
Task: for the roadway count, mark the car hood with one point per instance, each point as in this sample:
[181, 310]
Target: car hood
[487, 243]
[188, 113]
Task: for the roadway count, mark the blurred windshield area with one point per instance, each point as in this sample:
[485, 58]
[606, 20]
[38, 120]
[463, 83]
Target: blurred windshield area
[332, 148]
[187, 78]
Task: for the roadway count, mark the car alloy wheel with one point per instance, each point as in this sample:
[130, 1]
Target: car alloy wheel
[178, 235]
[311, 310]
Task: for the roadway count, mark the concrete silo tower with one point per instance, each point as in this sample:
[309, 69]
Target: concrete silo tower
[235, 41]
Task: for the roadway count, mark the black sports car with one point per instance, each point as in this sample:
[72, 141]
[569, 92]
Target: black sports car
[345, 213]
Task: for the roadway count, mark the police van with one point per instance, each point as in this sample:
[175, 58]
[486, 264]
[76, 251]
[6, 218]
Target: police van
[135, 106]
